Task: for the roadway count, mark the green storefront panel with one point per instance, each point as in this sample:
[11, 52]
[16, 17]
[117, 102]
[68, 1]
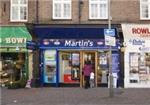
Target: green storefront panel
[14, 36]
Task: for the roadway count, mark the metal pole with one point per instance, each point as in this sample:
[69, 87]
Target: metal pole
[109, 15]
[111, 92]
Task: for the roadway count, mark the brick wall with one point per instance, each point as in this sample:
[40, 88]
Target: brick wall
[121, 11]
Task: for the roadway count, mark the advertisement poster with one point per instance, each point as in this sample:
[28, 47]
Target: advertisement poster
[50, 66]
[75, 59]
[103, 61]
[115, 63]
[50, 55]
[134, 59]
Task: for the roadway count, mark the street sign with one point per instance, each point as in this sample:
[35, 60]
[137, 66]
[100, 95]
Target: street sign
[110, 40]
[109, 32]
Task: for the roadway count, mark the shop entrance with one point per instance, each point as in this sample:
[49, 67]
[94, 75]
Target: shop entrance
[88, 56]
[71, 66]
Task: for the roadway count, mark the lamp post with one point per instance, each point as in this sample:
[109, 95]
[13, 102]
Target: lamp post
[111, 92]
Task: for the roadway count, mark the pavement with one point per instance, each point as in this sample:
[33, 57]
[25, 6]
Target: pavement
[74, 96]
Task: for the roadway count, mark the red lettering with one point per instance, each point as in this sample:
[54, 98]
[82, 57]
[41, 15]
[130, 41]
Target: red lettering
[134, 31]
[143, 31]
[140, 30]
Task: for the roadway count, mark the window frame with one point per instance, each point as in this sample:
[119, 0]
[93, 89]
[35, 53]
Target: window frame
[98, 12]
[146, 3]
[19, 15]
[62, 2]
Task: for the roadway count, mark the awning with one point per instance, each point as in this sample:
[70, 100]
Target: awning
[14, 36]
[69, 32]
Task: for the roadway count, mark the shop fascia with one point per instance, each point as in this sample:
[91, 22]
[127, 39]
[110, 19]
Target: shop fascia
[73, 42]
[141, 31]
[137, 35]
[14, 40]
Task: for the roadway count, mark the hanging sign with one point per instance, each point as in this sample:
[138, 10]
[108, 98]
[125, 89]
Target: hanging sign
[110, 40]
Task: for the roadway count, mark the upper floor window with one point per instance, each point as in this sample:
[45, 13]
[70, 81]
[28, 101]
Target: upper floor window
[98, 9]
[145, 9]
[19, 10]
[61, 9]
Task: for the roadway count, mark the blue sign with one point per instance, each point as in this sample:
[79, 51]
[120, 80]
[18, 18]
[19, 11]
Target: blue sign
[31, 45]
[74, 43]
[109, 32]
[115, 62]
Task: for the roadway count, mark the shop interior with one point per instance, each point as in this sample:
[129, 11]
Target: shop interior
[12, 67]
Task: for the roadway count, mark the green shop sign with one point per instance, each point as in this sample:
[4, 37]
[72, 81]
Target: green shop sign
[12, 36]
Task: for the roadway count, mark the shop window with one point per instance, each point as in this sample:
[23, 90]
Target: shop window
[75, 71]
[50, 66]
[70, 67]
[98, 9]
[102, 71]
[61, 9]
[13, 67]
[145, 9]
[19, 10]
[139, 68]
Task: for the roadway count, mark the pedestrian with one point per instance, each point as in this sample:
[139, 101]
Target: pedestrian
[92, 79]
[86, 72]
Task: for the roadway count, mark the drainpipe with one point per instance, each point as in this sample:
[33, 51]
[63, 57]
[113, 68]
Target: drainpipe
[80, 10]
[37, 11]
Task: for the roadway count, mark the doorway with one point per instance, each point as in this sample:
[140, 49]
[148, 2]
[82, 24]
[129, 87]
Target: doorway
[88, 56]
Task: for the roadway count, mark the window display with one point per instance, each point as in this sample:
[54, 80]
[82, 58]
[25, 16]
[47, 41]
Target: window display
[50, 66]
[70, 67]
[75, 71]
[139, 68]
[102, 68]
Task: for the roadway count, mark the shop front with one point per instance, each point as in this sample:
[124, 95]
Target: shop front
[137, 55]
[63, 57]
[14, 55]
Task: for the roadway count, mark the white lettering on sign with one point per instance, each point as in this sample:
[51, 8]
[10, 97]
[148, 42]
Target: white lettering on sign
[143, 32]
[81, 43]
[15, 40]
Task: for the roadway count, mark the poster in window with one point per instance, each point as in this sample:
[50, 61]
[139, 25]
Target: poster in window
[134, 58]
[50, 66]
[115, 63]
[75, 59]
[103, 61]
[50, 55]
